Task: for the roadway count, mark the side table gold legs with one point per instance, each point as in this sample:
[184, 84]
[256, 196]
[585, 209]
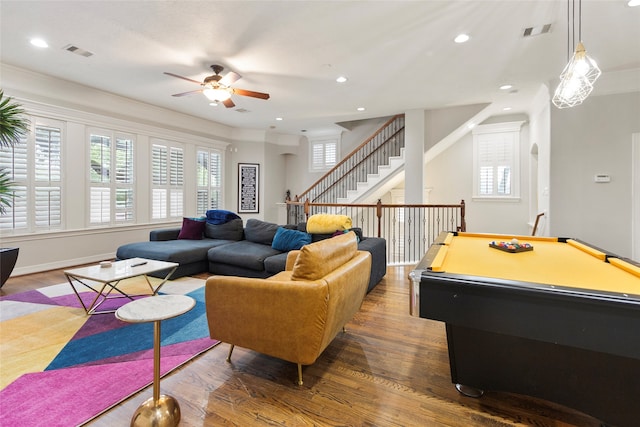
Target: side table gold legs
[159, 410]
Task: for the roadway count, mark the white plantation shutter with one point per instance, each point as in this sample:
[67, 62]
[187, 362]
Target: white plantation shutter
[176, 171]
[209, 180]
[99, 198]
[124, 180]
[159, 165]
[167, 179]
[496, 160]
[100, 202]
[159, 203]
[47, 206]
[323, 154]
[34, 165]
[111, 196]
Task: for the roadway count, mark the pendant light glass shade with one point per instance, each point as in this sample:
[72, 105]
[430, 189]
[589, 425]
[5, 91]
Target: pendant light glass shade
[576, 80]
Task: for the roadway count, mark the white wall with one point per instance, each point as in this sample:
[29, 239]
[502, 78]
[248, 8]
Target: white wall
[594, 138]
[539, 163]
[449, 176]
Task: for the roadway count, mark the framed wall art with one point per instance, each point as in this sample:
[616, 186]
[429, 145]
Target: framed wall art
[248, 188]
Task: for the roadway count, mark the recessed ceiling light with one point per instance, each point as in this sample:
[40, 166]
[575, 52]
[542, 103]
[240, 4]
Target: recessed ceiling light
[633, 3]
[506, 109]
[506, 87]
[461, 38]
[341, 79]
[213, 104]
[279, 119]
[471, 125]
[361, 108]
[39, 42]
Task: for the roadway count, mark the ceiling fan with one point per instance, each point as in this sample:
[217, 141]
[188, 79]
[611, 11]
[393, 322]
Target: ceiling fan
[218, 88]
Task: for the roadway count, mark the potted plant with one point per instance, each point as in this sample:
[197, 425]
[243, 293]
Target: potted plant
[13, 124]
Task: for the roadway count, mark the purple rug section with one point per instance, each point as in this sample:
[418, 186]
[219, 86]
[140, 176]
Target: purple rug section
[86, 391]
[104, 363]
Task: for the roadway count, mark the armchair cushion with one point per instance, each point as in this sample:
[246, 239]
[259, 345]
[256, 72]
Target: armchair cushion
[318, 259]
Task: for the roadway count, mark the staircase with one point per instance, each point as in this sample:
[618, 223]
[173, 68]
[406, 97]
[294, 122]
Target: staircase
[373, 163]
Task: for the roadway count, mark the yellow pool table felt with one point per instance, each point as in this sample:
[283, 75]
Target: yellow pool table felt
[551, 262]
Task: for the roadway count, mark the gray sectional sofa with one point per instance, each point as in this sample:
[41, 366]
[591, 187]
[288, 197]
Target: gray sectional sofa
[232, 249]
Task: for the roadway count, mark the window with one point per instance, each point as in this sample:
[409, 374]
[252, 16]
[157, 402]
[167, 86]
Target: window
[209, 180]
[167, 181]
[323, 154]
[111, 171]
[496, 160]
[34, 166]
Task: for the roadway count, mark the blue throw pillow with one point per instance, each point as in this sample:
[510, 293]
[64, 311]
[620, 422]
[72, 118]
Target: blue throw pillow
[219, 216]
[287, 240]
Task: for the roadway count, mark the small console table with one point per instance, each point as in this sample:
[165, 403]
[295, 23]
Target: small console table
[159, 410]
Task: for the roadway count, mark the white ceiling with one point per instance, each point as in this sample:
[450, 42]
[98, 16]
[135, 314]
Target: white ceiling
[398, 55]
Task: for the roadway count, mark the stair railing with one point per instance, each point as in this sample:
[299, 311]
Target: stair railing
[409, 229]
[386, 142]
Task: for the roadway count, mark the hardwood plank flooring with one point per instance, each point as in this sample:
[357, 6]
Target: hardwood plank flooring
[388, 369]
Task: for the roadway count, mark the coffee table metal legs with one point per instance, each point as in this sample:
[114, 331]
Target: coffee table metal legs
[159, 410]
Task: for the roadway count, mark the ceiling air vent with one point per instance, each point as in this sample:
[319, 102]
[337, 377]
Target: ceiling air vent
[536, 31]
[78, 51]
[242, 110]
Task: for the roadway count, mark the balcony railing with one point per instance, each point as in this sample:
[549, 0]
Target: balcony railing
[408, 229]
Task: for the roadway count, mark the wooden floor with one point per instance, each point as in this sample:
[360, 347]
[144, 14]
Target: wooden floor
[388, 369]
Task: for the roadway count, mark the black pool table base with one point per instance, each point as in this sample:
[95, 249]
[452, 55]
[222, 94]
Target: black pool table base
[602, 385]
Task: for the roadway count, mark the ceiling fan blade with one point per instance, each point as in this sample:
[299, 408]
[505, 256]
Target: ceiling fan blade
[230, 78]
[251, 93]
[183, 78]
[191, 92]
[228, 103]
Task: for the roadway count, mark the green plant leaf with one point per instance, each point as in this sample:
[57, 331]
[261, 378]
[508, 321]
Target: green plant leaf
[13, 124]
[6, 190]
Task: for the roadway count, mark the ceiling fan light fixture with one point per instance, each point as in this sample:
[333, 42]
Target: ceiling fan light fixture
[216, 94]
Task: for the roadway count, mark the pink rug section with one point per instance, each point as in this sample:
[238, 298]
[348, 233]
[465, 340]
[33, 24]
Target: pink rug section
[87, 391]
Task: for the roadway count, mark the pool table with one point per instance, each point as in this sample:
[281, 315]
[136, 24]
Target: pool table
[558, 321]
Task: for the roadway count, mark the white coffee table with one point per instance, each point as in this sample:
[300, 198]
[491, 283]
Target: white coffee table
[159, 410]
[107, 279]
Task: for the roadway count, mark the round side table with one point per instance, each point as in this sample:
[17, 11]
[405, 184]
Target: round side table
[159, 410]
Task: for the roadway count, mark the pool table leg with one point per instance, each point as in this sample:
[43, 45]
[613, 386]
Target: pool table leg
[469, 391]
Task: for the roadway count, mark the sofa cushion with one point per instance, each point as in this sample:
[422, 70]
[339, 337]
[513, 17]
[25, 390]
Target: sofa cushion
[180, 251]
[220, 216]
[327, 223]
[231, 230]
[192, 229]
[260, 231]
[287, 240]
[244, 254]
[276, 263]
[316, 260]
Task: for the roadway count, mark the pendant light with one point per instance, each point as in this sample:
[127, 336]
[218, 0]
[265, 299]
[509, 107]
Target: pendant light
[577, 78]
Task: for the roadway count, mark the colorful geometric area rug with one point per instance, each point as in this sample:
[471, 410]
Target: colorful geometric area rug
[61, 367]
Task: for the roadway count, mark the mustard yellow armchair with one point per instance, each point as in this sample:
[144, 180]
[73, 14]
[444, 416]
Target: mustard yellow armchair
[295, 314]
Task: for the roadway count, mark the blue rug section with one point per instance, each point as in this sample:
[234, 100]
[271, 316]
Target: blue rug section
[134, 337]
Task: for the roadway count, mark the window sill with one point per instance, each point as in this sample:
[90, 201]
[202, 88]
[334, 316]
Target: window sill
[496, 199]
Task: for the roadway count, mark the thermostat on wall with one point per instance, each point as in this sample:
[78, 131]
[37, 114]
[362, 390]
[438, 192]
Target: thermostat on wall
[601, 177]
